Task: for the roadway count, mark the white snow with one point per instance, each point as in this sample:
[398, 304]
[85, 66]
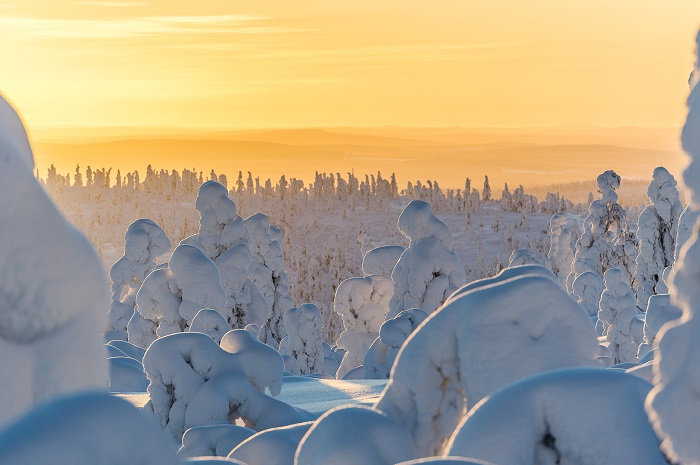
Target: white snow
[478, 342]
[304, 340]
[54, 294]
[274, 446]
[659, 312]
[381, 260]
[583, 416]
[211, 323]
[618, 317]
[213, 440]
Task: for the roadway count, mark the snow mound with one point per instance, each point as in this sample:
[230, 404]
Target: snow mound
[522, 257]
[126, 375]
[381, 260]
[504, 275]
[54, 294]
[477, 343]
[588, 287]
[304, 340]
[274, 446]
[417, 222]
[362, 304]
[86, 429]
[355, 435]
[556, 417]
[262, 363]
[211, 323]
[193, 382]
[214, 440]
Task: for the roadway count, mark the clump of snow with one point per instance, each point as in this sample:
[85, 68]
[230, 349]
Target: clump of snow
[213, 440]
[392, 334]
[659, 312]
[268, 273]
[656, 233]
[355, 435]
[170, 297]
[193, 382]
[674, 404]
[211, 323]
[618, 317]
[381, 260]
[588, 287]
[92, 428]
[261, 363]
[563, 233]
[245, 304]
[274, 446]
[220, 227]
[304, 340]
[54, 294]
[556, 417]
[363, 304]
[429, 270]
[126, 375]
[144, 242]
[477, 343]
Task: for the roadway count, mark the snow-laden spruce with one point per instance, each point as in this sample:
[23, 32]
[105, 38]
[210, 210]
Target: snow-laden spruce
[478, 342]
[355, 435]
[617, 314]
[144, 242]
[392, 334]
[363, 304]
[267, 271]
[304, 339]
[601, 245]
[54, 294]
[429, 270]
[245, 305]
[86, 429]
[220, 227]
[563, 233]
[587, 289]
[558, 417]
[194, 382]
[659, 312]
[674, 404]
[170, 297]
[381, 260]
[656, 234]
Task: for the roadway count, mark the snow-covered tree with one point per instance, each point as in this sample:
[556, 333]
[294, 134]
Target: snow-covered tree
[563, 233]
[522, 257]
[144, 242]
[429, 270]
[220, 227]
[486, 193]
[659, 312]
[596, 249]
[170, 297]
[267, 271]
[392, 334]
[587, 289]
[618, 315]
[211, 323]
[477, 343]
[53, 290]
[674, 405]
[363, 304]
[381, 260]
[245, 304]
[656, 234]
[686, 224]
[304, 340]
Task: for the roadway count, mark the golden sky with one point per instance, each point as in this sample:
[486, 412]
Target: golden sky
[282, 63]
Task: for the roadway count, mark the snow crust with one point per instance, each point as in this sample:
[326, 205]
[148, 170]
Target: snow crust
[478, 342]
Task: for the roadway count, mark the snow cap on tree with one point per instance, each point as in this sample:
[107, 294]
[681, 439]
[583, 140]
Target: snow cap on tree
[618, 316]
[304, 340]
[608, 182]
[417, 222]
[381, 260]
[587, 289]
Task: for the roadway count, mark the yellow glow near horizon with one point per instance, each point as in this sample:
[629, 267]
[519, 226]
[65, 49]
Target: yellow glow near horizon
[275, 63]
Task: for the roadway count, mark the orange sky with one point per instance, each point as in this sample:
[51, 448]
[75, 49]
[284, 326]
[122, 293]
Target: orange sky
[280, 63]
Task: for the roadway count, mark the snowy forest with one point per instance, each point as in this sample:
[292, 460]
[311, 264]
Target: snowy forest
[175, 316]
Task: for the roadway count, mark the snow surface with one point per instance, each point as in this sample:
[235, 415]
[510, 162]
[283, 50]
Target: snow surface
[477, 343]
[54, 294]
[584, 416]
